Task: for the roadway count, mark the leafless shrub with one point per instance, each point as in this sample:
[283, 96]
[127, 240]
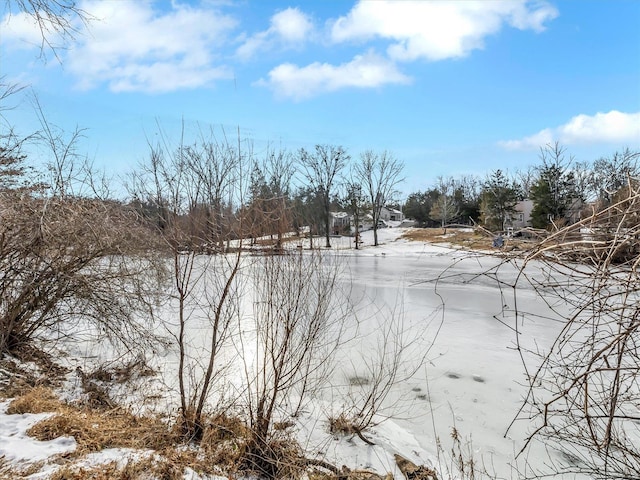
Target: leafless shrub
[69, 262]
[60, 257]
[186, 193]
[584, 396]
[298, 318]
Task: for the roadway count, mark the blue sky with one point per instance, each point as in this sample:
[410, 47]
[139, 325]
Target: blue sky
[450, 88]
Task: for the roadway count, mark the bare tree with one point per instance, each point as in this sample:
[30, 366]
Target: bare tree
[214, 163]
[269, 205]
[525, 178]
[379, 174]
[176, 189]
[445, 207]
[298, 318]
[610, 174]
[321, 168]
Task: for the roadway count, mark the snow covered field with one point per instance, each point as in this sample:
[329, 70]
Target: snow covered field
[458, 328]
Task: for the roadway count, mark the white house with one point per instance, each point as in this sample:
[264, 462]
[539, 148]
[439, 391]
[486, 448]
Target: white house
[391, 214]
[339, 222]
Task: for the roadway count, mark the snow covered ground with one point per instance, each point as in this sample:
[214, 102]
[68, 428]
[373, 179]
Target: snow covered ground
[459, 320]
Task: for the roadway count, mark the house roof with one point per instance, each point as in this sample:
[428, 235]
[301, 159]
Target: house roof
[392, 210]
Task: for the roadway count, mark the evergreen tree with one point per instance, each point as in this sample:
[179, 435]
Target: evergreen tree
[467, 197]
[418, 206]
[355, 204]
[499, 199]
[554, 192]
[552, 195]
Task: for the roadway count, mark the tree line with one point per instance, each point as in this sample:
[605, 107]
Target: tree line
[558, 187]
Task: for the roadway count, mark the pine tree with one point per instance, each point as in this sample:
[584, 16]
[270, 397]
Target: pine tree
[499, 199]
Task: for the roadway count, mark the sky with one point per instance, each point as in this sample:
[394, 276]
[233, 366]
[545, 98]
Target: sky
[449, 88]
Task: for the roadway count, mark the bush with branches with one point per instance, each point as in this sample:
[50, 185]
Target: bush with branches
[584, 396]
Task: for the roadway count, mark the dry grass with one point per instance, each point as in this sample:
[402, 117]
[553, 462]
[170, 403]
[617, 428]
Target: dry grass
[460, 237]
[93, 430]
[9, 471]
[35, 400]
[478, 239]
[342, 425]
[280, 458]
[220, 450]
[142, 468]
[224, 449]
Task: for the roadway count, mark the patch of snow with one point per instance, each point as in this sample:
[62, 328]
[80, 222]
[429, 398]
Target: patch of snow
[16, 446]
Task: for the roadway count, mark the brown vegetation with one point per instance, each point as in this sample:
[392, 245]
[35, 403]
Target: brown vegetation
[465, 238]
[223, 442]
[457, 237]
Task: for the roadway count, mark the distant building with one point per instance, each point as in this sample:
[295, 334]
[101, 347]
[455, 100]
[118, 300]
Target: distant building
[391, 214]
[522, 216]
[339, 222]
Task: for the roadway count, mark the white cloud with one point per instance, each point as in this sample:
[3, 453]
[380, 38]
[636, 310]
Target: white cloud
[436, 30]
[291, 24]
[611, 127]
[131, 47]
[364, 71]
[290, 27]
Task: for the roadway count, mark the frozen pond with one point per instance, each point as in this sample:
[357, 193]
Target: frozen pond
[472, 376]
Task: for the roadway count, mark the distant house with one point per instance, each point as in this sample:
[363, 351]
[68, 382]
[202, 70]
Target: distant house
[522, 216]
[391, 214]
[339, 222]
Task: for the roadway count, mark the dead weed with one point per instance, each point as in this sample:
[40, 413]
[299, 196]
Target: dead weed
[143, 468]
[9, 471]
[93, 429]
[222, 445]
[476, 239]
[35, 400]
[454, 236]
[342, 425]
[15, 378]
